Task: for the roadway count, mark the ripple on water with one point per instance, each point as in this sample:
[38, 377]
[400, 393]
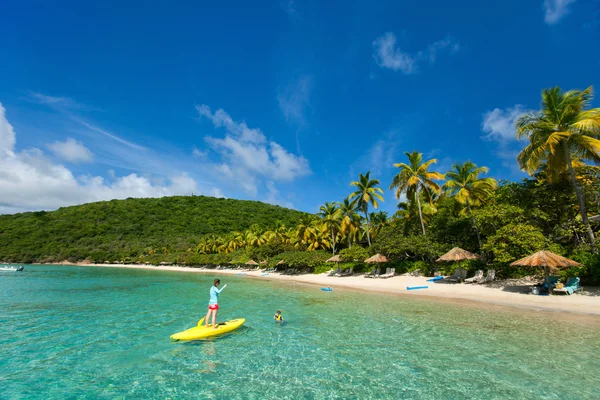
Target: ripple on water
[104, 333]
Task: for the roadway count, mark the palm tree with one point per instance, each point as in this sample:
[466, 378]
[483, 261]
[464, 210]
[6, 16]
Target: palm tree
[366, 192]
[331, 217]
[414, 178]
[302, 230]
[561, 131]
[378, 221]
[350, 219]
[463, 182]
[317, 236]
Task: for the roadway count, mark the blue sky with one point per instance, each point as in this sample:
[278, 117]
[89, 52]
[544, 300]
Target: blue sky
[284, 102]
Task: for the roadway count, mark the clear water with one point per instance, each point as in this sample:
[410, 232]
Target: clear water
[84, 332]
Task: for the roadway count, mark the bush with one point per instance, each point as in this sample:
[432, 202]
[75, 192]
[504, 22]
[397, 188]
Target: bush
[303, 259]
[512, 242]
[591, 261]
[354, 253]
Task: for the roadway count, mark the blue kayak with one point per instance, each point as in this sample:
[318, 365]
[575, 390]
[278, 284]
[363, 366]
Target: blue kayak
[437, 278]
[326, 289]
[416, 287]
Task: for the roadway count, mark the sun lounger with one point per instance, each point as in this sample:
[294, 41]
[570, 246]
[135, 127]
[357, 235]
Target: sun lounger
[348, 272]
[458, 276]
[335, 272]
[489, 277]
[389, 273]
[478, 277]
[372, 274]
[571, 286]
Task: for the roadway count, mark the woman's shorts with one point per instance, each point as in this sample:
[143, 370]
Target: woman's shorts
[213, 306]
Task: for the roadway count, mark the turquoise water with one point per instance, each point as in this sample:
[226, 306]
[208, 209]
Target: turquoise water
[85, 332]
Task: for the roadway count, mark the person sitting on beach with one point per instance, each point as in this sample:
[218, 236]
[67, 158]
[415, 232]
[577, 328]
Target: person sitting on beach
[278, 317]
[213, 303]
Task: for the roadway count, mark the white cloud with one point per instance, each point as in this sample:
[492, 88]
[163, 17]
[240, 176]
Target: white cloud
[31, 181]
[7, 134]
[294, 99]
[555, 10]
[71, 150]
[388, 55]
[500, 124]
[248, 155]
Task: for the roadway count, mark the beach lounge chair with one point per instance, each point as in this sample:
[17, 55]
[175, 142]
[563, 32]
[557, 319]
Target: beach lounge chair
[349, 272]
[458, 276]
[389, 273]
[335, 272]
[489, 277]
[372, 274]
[571, 286]
[478, 277]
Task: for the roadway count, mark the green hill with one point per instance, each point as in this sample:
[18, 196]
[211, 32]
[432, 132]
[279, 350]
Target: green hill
[124, 229]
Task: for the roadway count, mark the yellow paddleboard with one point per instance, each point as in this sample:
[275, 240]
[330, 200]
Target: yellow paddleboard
[201, 332]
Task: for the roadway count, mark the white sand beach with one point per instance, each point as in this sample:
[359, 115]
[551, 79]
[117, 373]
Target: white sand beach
[510, 293]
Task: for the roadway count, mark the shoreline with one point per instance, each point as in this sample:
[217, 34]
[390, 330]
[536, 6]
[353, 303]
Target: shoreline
[474, 294]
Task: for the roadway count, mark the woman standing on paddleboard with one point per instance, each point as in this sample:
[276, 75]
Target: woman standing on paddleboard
[213, 303]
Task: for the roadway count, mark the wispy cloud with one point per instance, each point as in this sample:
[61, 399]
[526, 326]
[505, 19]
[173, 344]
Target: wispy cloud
[247, 154]
[71, 150]
[378, 157]
[295, 99]
[289, 7]
[59, 102]
[555, 10]
[96, 129]
[388, 55]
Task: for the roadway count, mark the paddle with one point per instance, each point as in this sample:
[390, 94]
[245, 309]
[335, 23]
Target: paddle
[201, 321]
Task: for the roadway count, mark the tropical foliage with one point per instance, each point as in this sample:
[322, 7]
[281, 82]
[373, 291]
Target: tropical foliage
[437, 210]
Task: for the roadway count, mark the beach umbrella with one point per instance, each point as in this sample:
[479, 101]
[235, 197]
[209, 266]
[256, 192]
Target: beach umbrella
[251, 262]
[550, 261]
[335, 259]
[264, 262]
[377, 258]
[281, 262]
[457, 254]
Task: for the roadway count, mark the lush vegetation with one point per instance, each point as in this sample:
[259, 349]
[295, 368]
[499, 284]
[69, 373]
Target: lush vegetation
[130, 230]
[463, 207]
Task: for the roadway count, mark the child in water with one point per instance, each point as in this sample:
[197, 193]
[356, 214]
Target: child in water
[278, 317]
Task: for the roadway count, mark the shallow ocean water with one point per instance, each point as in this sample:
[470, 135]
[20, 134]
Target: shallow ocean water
[91, 332]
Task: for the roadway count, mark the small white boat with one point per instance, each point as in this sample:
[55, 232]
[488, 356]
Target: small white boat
[12, 269]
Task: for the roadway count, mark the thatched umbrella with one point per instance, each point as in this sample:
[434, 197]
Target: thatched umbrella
[335, 259]
[377, 258]
[281, 262]
[264, 262]
[547, 259]
[251, 262]
[457, 254]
